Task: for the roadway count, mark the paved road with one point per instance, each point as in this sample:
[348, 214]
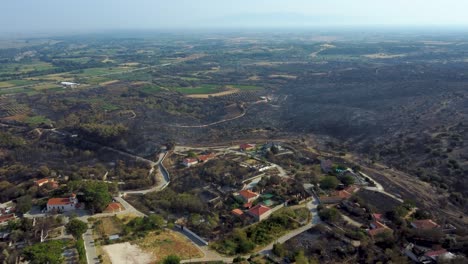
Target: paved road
[91, 254]
[162, 177]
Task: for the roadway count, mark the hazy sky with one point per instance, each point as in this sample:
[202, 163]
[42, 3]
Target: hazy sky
[23, 16]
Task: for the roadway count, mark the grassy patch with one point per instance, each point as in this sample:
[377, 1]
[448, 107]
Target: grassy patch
[46, 86]
[246, 87]
[107, 226]
[14, 83]
[37, 120]
[16, 90]
[202, 89]
[165, 243]
[244, 241]
[151, 89]
[100, 71]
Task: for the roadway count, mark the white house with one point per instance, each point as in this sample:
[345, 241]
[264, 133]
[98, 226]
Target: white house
[69, 84]
[62, 204]
[189, 162]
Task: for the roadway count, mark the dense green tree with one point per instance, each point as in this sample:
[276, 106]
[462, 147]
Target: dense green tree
[48, 252]
[329, 183]
[347, 180]
[96, 195]
[329, 214]
[171, 259]
[23, 204]
[76, 227]
[279, 250]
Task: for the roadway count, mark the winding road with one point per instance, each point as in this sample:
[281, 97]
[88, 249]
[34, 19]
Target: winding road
[223, 120]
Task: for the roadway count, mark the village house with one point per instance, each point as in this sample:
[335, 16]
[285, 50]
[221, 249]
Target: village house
[260, 212]
[247, 147]
[206, 157]
[45, 181]
[114, 208]
[4, 219]
[237, 212]
[189, 162]
[62, 204]
[338, 196]
[377, 228]
[438, 255]
[425, 224]
[248, 196]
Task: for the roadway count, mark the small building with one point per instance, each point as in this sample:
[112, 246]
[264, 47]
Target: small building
[338, 196]
[45, 181]
[425, 224]
[248, 196]
[237, 212]
[41, 182]
[260, 212]
[4, 219]
[114, 237]
[326, 165]
[114, 208]
[62, 204]
[69, 84]
[205, 158]
[189, 162]
[377, 228]
[441, 254]
[246, 147]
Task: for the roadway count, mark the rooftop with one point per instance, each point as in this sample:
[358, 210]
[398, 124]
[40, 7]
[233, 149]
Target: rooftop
[237, 212]
[259, 210]
[424, 224]
[248, 194]
[59, 201]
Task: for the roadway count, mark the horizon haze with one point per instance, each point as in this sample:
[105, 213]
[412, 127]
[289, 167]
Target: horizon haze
[54, 16]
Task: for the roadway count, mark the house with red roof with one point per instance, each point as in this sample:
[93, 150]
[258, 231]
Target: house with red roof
[248, 196]
[4, 219]
[62, 204]
[206, 157]
[189, 162]
[45, 181]
[377, 228]
[338, 196]
[425, 224]
[114, 208]
[436, 255]
[260, 212]
[246, 147]
[237, 212]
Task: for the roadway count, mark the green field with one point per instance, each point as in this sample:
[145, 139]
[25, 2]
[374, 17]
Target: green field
[202, 89]
[25, 67]
[151, 89]
[13, 83]
[99, 71]
[37, 120]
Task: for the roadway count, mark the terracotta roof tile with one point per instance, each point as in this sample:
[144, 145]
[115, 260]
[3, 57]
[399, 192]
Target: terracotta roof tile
[58, 201]
[248, 194]
[259, 210]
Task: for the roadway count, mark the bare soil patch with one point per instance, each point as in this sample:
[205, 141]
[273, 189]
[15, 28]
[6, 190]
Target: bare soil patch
[126, 253]
[166, 243]
[204, 96]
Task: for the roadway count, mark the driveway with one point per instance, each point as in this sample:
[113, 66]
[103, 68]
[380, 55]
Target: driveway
[91, 254]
